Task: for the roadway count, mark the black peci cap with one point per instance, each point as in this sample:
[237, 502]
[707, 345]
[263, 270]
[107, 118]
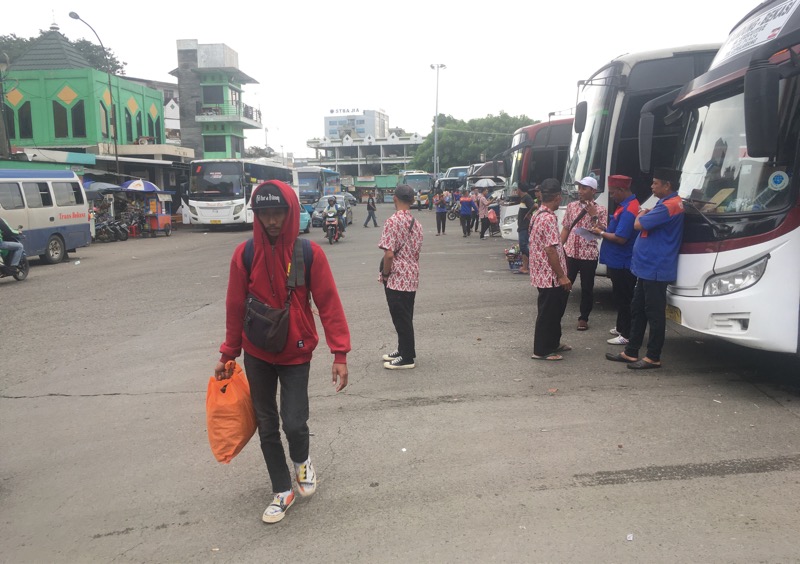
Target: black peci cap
[405, 193]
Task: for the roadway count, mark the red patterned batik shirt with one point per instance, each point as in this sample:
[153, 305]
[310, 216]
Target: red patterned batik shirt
[544, 233]
[406, 246]
[576, 246]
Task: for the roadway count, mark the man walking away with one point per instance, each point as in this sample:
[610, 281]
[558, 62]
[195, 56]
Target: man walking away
[260, 270]
[468, 207]
[616, 253]
[371, 210]
[548, 269]
[401, 242]
[582, 253]
[655, 264]
[483, 211]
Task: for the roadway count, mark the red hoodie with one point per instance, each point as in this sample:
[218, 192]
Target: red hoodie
[274, 259]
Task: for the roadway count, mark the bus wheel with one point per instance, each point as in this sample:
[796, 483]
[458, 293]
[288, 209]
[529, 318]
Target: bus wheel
[54, 252]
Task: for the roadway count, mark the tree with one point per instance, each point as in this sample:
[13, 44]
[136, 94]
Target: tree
[467, 142]
[15, 46]
[259, 153]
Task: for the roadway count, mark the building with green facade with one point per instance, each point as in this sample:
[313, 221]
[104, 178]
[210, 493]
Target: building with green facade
[55, 103]
[210, 89]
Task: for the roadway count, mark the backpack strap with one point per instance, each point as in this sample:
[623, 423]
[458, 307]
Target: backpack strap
[305, 248]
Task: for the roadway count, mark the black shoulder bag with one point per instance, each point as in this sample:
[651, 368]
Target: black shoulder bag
[268, 327]
[410, 227]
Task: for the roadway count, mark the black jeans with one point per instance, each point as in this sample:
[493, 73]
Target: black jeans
[441, 221]
[371, 215]
[551, 304]
[648, 307]
[587, 269]
[473, 221]
[623, 281]
[484, 226]
[263, 378]
[401, 308]
[466, 225]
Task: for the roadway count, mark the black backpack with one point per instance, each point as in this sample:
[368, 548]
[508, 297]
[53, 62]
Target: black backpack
[308, 257]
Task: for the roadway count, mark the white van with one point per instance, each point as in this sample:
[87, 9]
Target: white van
[50, 207]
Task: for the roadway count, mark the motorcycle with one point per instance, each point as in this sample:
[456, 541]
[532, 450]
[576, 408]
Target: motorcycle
[331, 225]
[21, 271]
[120, 229]
[455, 211]
[102, 229]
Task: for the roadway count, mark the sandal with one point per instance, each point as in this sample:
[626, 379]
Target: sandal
[551, 356]
[563, 347]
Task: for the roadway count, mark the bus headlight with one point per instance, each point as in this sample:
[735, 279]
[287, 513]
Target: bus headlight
[238, 209]
[192, 210]
[735, 280]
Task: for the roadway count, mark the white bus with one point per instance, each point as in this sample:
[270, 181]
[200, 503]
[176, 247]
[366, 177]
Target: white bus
[607, 116]
[50, 207]
[739, 264]
[220, 189]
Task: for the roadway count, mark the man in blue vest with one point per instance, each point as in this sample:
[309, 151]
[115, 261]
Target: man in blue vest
[655, 264]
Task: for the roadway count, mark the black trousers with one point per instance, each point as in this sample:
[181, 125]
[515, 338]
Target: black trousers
[466, 225]
[484, 226]
[473, 221]
[587, 269]
[623, 281]
[648, 308]
[441, 221]
[401, 308]
[551, 304]
[263, 378]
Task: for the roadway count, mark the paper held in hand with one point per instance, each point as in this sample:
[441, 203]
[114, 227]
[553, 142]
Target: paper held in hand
[586, 234]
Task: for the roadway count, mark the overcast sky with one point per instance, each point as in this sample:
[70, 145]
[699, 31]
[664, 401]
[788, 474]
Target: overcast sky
[521, 57]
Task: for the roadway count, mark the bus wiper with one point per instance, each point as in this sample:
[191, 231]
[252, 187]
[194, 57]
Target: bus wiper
[719, 229]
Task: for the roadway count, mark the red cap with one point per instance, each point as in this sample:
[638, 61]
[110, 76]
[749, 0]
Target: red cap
[619, 181]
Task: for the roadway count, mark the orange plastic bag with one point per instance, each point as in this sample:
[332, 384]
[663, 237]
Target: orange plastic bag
[230, 418]
[492, 215]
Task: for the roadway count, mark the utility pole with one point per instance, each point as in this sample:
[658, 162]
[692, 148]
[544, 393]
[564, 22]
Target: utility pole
[5, 145]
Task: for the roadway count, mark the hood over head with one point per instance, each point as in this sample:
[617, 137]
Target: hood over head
[275, 194]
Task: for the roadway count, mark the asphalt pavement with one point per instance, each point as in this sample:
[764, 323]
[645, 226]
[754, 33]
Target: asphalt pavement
[479, 454]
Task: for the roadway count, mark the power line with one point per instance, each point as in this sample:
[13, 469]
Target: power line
[477, 132]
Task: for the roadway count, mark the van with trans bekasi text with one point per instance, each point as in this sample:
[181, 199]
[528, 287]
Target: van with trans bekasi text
[50, 207]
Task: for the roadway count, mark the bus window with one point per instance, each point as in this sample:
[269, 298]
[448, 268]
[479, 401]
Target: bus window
[67, 193]
[37, 194]
[10, 196]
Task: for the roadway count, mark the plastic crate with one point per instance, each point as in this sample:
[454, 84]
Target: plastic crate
[514, 264]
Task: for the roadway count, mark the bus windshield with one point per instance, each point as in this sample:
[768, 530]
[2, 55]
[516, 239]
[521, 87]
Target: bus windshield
[717, 175]
[516, 159]
[586, 149]
[216, 180]
[308, 182]
[419, 182]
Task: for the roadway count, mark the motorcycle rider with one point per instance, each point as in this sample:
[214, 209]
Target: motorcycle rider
[7, 233]
[333, 206]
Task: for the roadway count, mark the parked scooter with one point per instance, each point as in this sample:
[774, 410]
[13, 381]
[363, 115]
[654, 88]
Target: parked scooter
[20, 272]
[102, 229]
[332, 229]
[120, 229]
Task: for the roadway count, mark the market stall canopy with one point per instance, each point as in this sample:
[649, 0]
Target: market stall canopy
[140, 185]
[98, 186]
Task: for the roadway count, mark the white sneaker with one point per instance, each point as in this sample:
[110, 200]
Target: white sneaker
[618, 340]
[277, 509]
[614, 331]
[306, 478]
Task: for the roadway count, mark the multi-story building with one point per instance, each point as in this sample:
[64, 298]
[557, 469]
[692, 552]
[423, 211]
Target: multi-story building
[366, 156]
[57, 108]
[213, 116]
[356, 125]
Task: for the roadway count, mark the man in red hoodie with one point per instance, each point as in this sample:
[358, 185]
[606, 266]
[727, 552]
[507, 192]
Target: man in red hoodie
[275, 229]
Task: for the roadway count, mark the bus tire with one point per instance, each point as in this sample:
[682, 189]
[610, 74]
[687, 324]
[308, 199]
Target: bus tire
[55, 251]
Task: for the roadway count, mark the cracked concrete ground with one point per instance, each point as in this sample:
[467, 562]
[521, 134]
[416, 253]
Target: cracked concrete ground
[479, 454]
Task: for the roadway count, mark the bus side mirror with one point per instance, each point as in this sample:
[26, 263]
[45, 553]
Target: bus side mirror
[646, 125]
[580, 116]
[761, 109]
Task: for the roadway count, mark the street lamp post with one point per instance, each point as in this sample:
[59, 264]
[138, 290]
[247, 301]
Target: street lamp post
[75, 16]
[5, 142]
[436, 66]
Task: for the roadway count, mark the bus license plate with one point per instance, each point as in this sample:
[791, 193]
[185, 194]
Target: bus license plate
[673, 314]
[215, 221]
